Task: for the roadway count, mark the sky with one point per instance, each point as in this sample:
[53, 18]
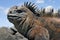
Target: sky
[6, 4]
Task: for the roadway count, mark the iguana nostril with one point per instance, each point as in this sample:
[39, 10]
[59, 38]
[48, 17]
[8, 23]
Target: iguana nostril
[10, 12]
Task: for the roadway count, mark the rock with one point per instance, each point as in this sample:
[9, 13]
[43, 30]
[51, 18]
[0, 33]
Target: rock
[6, 34]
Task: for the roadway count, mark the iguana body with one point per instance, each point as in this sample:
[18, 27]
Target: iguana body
[28, 23]
[53, 26]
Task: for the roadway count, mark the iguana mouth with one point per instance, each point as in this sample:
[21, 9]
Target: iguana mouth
[13, 18]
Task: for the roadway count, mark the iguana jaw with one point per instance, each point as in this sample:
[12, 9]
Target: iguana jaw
[16, 18]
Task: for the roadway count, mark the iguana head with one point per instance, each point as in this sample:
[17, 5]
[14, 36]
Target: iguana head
[18, 14]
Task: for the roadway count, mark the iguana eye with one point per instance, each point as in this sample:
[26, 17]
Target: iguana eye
[19, 11]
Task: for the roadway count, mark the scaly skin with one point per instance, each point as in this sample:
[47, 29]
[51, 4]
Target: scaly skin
[32, 27]
[52, 24]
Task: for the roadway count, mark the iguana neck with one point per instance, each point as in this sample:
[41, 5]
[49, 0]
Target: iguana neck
[24, 27]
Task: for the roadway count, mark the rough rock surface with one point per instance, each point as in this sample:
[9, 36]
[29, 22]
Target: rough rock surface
[6, 34]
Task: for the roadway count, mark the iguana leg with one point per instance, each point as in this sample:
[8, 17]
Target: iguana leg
[38, 33]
